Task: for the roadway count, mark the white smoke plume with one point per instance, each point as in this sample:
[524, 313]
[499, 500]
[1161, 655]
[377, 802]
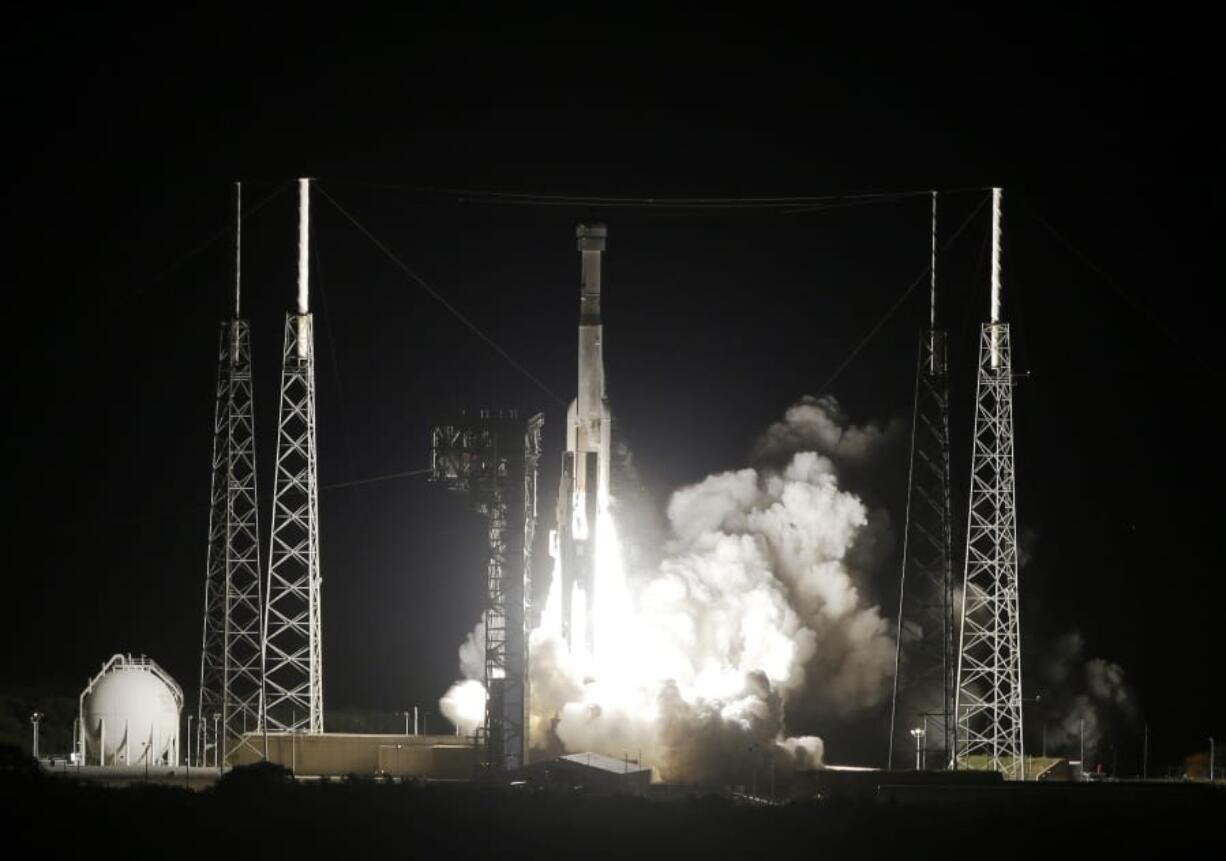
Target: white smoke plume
[1091, 694]
[753, 606]
[818, 424]
[464, 702]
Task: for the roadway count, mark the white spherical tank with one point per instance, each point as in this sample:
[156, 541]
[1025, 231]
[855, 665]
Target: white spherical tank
[130, 713]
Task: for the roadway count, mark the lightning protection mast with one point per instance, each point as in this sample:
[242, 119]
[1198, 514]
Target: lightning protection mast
[231, 677]
[989, 696]
[924, 664]
[293, 671]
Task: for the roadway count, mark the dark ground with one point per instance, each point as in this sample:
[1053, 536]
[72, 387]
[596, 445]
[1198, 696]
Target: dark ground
[244, 817]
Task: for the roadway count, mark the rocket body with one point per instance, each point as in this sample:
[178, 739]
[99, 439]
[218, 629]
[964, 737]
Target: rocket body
[586, 461]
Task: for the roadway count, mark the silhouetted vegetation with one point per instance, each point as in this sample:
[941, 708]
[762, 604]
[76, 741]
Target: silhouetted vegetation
[257, 809]
[55, 729]
[257, 779]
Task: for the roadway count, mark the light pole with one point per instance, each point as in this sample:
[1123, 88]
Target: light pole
[188, 779]
[1035, 699]
[405, 715]
[216, 740]
[1211, 753]
[1145, 755]
[919, 733]
[753, 791]
[34, 719]
[1083, 745]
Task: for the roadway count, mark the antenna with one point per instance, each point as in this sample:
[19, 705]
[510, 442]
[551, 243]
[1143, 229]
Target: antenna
[996, 287]
[932, 268]
[238, 249]
[304, 235]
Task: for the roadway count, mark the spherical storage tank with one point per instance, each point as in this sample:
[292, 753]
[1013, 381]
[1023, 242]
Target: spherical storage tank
[130, 714]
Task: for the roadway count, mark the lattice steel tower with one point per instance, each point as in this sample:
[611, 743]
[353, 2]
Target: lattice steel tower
[293, 670]
[925, 661]
[989, 697]
[493, 459]
[231, 678]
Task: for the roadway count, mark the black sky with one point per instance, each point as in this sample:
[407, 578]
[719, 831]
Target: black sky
[127, 133]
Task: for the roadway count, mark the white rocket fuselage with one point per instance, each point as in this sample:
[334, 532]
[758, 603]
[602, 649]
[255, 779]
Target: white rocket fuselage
[586, 462]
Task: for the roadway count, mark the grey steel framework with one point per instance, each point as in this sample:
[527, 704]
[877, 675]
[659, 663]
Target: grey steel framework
[293, 671]
[989, 698]
[924, 675]
[923, 701]
[231, 682]
[494, 459]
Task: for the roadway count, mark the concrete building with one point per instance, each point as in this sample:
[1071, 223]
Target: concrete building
[427, 757]
[593, 773]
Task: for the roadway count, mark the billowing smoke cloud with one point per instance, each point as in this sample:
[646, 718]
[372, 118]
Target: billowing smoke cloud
[753, 606]
[464, 702]
[1093, 694]
[818, 424]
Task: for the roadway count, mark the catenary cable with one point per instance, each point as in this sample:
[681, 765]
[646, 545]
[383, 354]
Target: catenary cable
[919, 279]
[438, 297]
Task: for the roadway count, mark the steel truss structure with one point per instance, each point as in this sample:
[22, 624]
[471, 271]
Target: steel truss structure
[231, 695]
[924, 671]
[493, 459]
[231, 683]
[989, 696]
[293, 670]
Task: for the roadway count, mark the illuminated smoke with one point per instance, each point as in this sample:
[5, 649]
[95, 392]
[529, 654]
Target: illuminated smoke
[464, 705]
[818, 424]
[1093, 694]
[753, 606]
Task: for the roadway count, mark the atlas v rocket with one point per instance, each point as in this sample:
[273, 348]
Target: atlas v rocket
[585, 464]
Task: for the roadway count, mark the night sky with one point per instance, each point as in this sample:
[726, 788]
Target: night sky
[127, 133]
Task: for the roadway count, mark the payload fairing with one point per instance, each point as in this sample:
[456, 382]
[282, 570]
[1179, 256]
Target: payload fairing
[586, 461]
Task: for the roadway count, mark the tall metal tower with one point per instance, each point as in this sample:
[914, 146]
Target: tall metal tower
[924, 666]
[231, 676]
[494, 459]
[989, 698]
[293, 670]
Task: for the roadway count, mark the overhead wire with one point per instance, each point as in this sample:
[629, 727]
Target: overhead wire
[374, 479]
[1103, 274]
[785, 205]
[264, 497]
[919, 279]
[438, 297]
[224, 231]
[336, 368]
[798, 203]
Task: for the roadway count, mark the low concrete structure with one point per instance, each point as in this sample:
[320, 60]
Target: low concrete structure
[868, 784]
[133, 775]
[427, 757]
[593, 773]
